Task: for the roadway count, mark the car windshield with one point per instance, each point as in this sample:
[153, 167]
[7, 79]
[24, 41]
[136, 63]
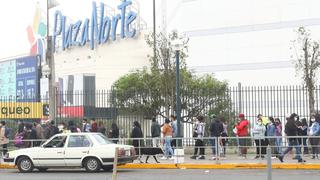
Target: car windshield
[101, 139]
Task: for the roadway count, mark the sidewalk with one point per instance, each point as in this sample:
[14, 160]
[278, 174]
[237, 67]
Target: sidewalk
[231, 162]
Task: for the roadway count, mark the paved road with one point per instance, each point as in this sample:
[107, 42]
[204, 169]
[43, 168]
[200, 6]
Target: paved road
[160, 174]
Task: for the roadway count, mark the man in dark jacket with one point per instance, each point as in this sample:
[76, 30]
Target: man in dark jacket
[292, 130]
[155, 132]
[216, 129]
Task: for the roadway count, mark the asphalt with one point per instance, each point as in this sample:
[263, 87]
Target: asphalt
[161, 174]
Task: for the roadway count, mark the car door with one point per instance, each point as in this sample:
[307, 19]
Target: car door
[52, 153]
[78, 146]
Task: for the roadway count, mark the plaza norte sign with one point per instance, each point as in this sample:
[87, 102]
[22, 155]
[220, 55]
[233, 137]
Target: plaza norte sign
[92, 31]
[21, 110]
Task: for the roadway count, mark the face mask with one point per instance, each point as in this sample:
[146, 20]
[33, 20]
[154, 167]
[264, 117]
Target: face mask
[277, 123]
[313, 120]
[260, 123]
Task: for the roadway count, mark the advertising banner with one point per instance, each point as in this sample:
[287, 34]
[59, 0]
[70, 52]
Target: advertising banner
[27, 79]
[8, 80]
[21, 110]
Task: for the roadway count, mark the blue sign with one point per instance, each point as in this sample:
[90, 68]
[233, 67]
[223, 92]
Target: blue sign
[99, 32]
[27, 79]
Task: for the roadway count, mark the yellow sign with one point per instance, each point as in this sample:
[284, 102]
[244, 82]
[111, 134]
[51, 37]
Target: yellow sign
[21, 110]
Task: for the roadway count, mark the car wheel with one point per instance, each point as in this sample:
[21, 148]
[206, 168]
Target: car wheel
[92, 165]
[107, 168]
[25, 165]
[42, 169]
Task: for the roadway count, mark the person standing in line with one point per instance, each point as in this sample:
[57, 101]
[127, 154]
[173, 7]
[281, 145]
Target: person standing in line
[114, 132]
[155, 132]
[101, 128]
[40, 133]
[216, 129]
[175, 131]
[86, 127]
[299, 131]
[4, 138]
[292, 130]
[271, 135]
[30, 135]
[167, 132]
[199, 134]
[137, 143]
[224, 136]
[94, 125]
[314, 133]
[258, 133]
[242, 130]
[279, 136]
[304, 132]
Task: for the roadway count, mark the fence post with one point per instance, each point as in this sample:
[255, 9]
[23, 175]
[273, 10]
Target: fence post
[115, 164]
[217, 150]
[240, 98]
[269, 164]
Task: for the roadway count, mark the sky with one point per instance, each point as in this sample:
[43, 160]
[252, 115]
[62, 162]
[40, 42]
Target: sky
[244, 41]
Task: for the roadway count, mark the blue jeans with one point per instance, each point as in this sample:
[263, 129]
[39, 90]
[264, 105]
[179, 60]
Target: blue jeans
[214, 146]
[168, 148]
[293, 143]
[279, 145]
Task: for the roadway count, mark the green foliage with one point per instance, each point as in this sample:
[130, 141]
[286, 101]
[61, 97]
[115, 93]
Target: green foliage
[152, 91]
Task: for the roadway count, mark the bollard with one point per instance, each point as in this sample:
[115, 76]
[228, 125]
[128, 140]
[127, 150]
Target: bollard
[115, 164]
[269, 165]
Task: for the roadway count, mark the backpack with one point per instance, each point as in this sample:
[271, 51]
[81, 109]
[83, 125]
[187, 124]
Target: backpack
[7, 132]
[18, 139]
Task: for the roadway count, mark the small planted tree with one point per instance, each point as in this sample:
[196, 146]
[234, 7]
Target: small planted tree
[307, 62]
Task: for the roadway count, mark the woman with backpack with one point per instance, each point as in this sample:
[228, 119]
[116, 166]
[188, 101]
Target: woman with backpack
[314, 132]
[18, 138]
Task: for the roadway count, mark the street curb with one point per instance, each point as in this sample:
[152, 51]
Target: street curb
[219, 166]
[206, 166]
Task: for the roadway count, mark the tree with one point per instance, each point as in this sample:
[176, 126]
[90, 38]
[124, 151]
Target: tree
[151, 91]
[307, 62]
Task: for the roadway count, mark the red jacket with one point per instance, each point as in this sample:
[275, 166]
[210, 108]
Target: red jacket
[94, 127]
[242, 128]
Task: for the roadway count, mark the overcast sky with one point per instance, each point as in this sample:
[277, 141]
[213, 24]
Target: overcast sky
[223, 34]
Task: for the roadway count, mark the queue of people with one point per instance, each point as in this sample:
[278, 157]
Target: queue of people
[33, 134]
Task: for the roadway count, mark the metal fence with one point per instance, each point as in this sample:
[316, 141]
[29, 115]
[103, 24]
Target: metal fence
[102, 105]
[218, 152]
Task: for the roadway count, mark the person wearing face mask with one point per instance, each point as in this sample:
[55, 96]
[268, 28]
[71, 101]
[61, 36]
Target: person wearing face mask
[258, 133]
[291, 130]
[278, 136]
[314, 132]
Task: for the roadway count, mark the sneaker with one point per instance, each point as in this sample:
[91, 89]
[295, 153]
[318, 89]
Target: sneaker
[193, 157]
[257, 157]
[163, 158]
[213, 158]
[301, 160]
[295, 158]
[172, 158]
[313, 157]
[280, 158]
[201, 157]
[273, 157]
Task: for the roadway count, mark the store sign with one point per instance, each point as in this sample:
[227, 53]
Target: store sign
[19, 79]
[21, 110]
[95, 30]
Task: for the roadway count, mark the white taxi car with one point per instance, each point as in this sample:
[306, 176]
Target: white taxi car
[93, 151]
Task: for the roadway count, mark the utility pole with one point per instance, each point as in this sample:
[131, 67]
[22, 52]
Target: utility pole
[51, 77]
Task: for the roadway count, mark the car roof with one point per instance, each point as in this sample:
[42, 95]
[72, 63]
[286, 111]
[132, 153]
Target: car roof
[77, 133]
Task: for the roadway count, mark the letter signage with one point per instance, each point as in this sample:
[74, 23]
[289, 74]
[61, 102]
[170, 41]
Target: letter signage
[96, 30]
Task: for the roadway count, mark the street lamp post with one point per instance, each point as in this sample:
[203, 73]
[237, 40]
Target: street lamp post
[177, 46]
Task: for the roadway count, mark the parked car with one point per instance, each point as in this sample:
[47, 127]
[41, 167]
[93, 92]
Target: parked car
[93, 151]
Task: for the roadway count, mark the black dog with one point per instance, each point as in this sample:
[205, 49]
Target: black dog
[151, 151]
